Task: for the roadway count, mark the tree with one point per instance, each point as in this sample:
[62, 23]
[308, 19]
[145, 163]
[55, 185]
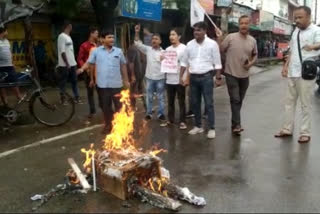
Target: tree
[67, 9]
[104, 10]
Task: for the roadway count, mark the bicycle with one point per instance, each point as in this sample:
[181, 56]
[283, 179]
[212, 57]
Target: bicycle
[45, 104]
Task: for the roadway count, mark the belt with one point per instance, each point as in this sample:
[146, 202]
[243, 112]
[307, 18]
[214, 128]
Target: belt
[209, 73]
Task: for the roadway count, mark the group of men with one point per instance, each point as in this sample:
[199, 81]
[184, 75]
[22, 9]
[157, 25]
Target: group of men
[106, 70]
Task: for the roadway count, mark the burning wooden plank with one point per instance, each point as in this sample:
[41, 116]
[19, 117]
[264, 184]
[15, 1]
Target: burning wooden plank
[155, 199]
[83, 181]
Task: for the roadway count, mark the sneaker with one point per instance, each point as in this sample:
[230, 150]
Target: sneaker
[164, 123]
[64, 103]
[148, 117]
[196, 130]
[162, 117]
[211, 134]
[190, 114]
[91, 115]
[78, 101]
[183, 126]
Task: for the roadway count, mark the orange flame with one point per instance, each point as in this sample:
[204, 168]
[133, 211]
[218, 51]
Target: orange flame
[89, 155]
[122, 126]
[157, 185]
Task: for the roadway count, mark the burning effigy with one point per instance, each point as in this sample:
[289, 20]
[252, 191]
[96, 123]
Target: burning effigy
[123, 170]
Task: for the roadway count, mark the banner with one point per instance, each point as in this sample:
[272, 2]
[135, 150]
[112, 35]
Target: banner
[142, 9]
[196, 12]
[170, 62]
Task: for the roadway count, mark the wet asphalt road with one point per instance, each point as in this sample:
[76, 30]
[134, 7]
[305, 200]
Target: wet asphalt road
[251, 173]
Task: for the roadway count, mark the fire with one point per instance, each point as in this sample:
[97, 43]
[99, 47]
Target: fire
[89, 155]
[156, 152]
[122, 126]
[157, 185]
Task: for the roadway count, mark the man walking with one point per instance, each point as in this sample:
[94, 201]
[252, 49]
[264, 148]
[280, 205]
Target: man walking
[154, 78]
[67, 63]
[6, 65]
[202, 56]
[308, 36]
[83, 56]
[241, 53]
[111, 71]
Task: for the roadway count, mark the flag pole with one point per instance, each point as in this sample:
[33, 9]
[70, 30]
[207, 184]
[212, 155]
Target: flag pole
[207, 15]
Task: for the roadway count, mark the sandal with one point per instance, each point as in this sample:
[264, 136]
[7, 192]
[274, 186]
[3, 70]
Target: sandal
[283, 134]
[237, 131]
[304, 139]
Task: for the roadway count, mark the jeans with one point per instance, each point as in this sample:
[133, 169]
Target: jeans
[155, 86]
[90, 94]
[237, 88]
[106, 98]
[202, 85]
[65, 75]
[180, 91]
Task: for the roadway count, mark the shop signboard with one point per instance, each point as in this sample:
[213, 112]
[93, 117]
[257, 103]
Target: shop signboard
[142, 9]
[253, 4]
[266, 21]
[224, 3]
[44, 45]
[238, 11]
[281, 27]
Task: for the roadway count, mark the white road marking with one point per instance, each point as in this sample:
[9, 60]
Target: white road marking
[49, 140]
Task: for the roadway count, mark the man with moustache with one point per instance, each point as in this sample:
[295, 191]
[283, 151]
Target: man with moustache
[241, 53]
[309, 36]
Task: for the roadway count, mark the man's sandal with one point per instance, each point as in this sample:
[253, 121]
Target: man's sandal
[304, 139]
[282, 134]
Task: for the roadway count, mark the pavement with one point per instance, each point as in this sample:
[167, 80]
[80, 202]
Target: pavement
[251, 173]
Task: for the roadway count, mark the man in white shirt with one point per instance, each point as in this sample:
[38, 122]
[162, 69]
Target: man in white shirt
[202, 56]
[297, 86]
[154, 78]
[6, 65]
[67, 63]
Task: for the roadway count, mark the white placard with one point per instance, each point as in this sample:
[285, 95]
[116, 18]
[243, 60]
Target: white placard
[170, 62]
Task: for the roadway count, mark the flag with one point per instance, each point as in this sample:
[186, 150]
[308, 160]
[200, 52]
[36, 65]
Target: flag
[196, 12]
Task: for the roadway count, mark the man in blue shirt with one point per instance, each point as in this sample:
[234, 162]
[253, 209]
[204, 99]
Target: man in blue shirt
[111, 75]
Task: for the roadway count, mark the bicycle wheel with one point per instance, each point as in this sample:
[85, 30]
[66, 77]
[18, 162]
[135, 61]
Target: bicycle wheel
[47, 107]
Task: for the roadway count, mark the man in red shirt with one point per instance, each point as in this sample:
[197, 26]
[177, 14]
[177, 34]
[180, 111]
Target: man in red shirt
[83, 56]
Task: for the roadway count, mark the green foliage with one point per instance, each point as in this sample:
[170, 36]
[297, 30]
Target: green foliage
[68, 8]
[182, 5]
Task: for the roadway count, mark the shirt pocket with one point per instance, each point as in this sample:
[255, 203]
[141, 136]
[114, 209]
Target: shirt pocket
[115, 61]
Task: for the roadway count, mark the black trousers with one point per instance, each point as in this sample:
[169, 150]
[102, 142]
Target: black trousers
[106, 99]
[237, 88]
[180, 91]
[90, 94]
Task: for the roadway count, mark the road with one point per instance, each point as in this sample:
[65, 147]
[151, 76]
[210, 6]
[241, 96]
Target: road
[251, 173]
